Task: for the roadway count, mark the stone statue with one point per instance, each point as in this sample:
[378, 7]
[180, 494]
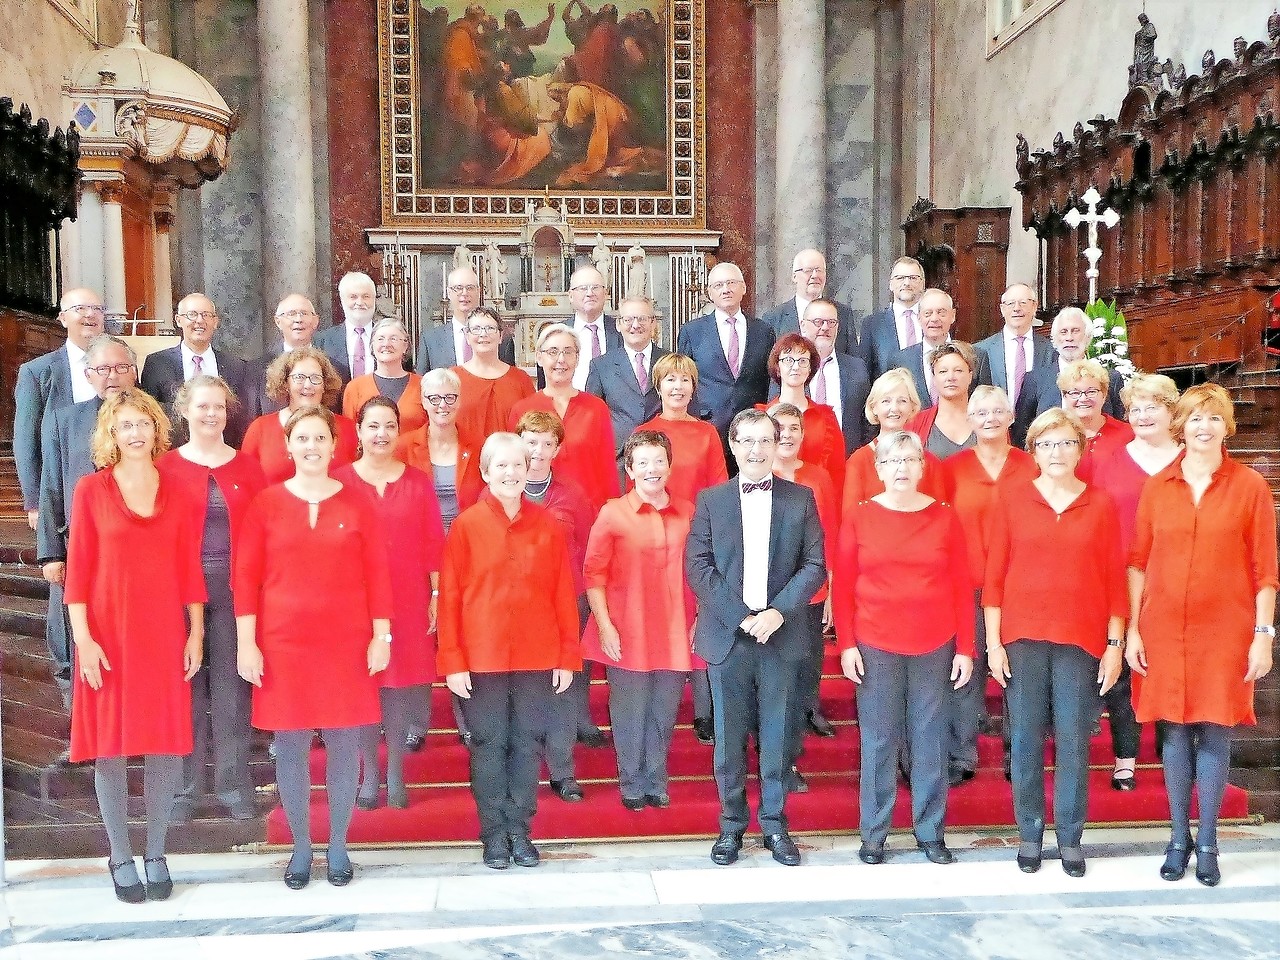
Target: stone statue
[1273, 27]
[1144, 67]
[602, 257]
[637, 272]
[461, 256]
[1024, 151]
[1178, 77]
[1239, 47]
[1208, 61]
[495, 273]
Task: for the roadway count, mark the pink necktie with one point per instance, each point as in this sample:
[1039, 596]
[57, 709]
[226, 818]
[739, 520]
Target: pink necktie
[357, 362]
[466, 349]
[909, 338]
[734, 353]
[819, 391]
[642, 378]
[595, 339]
[197, 363]
[1019, 366]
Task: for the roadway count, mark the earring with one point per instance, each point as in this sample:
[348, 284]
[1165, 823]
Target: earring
[289, 455]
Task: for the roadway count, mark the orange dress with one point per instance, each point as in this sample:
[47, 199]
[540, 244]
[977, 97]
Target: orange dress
[414, 449]
[823, 444]
[861, 482]
[1204, 568]
[587, 454]
[975, 494]
[697, 456]
[484, 406]
[265, 441]
[362, 389]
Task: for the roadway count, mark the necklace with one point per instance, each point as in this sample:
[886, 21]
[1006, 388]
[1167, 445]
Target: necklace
[537, 488]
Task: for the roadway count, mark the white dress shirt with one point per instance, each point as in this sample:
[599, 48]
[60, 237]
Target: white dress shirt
[898, 310]
[353, 344]
[739, 321]
[585, 345]
[757, 516]
[81, 388]
[208, 362]
[1010, 360]
[829, 371]
[801, 306]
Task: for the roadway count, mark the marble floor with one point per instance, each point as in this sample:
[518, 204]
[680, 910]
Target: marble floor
[666, 900]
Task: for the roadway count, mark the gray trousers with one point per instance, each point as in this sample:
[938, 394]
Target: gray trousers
[57, 637]
[1062, 678]
[969, 703]
[570, 712]
[220, 701]
[808, 677]
[700, 686]
[642, 709]
[902, 701]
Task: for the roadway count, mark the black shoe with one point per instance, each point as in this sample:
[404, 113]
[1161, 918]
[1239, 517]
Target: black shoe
[936, 851]
[1176, 858]
[297, 880]
[957, 775]
[593, 737]
[1124, 783]
[340, 876]
[1073, 868]
[871, 855]
[634, 803]
[398, 798]
[161, 887]
[369, 803]
[1207, 871]
[524, 853]
[413, 742]
[1029, 864]
[704, 729]
[796, 783]
[1008, 768]
[497, 853]
[132, 893]
[783, 848]
[567, 790]
[183, 811]
[659, 800]
[904, 774]
[725, 850]
[819, 724]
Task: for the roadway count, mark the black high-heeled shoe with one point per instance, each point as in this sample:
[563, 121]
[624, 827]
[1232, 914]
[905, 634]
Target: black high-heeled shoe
[1124, 784]
[1030, 864]
[129, 893]
[162, 887]
[1176, 858]
[1207, 871]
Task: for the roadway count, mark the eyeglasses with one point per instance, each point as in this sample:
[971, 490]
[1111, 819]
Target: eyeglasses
[755, 441]
[897, 462]
[1146, 411]
[1050, 445]
[1082, 394]
[485, 331]
[1016, 303]
[296, 314]
[464, 288]
[723, 285]
[906, 276]
[587, 288]
[793, 361]
[810, 271]
[442, 399]
[315, 379]
[106, 369]
[86, 309]
[984, 414]
[558, 352]
[194, 315]
[822, 323]
[129, 426]
[635, 321]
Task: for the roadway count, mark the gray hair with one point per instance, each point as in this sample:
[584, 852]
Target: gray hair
[382, 323]
[356, 279]
[441, 378]
[986, 391]
[897, 440]
[497, 441]
[101, 342]
[551, 329]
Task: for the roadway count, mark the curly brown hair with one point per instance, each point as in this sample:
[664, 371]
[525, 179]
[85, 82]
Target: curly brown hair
[282, 367]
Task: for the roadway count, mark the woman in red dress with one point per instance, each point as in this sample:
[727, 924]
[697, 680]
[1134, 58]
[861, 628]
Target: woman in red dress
[313, 616]
[388, 343]
[945, 429]
[135, 600]
[793, 363]
[299, 378]
[223, 482]
[490, 387]
[406, 501]
[586, 456]
[1202, 583]
[1084, 385]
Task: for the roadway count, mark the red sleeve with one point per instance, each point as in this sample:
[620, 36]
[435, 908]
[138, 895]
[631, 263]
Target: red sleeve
[1140, 549]
[347, 443]
[250, 561]
[377, 568]
[451, 656]
[854, 489]
[1260, 537]
[595, 565]
[961, 588]
[517, 411]
[833, 448]
[350, 400]
[935, 481]
[844, 604]
[997, 556]
[82, 547]
[565, 604]
[1113, 560]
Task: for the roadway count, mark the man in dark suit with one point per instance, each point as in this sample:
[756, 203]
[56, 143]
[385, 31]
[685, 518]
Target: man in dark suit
[730, 350]
[937, 316]
[56, 379]
[1071, 334]
[110, 366]
[809, 275]
[622, 377]
[897, 326]
[446, 345]
[297, 321]
[165, 371]
[347, 344]
[754, 559]
[1014, 353]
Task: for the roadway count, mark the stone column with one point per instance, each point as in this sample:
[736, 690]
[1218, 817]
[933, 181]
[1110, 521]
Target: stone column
[288, 187]
[162, 296]
[113, 293]
[800, 154]
[89, 244]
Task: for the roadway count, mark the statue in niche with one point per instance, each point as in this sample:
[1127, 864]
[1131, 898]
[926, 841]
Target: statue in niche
[131, 125]
[461, 256]
[495, 273]
[1273, 27]
[1144, 68]
[637, 272]
[548, 271]
[602, 257]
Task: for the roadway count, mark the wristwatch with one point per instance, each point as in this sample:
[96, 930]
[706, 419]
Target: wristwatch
[384, 637]
[1269, 630]
[1115, 641]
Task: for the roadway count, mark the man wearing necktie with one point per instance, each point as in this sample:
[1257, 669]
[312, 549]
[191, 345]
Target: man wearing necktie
[347, 343]
[753, 558]
[897, 326]
[1014, 352]
[596, 332]
[937, 315]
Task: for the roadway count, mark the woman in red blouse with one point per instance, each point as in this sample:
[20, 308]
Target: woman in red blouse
[1084, 385]
[946, 429]
[793, 363]
[490, 387]
[406, 501]
[902, 607]
[1202, 584]
[1054, 650]
[135, 601]
[298, 378]
[504, 558]
[313, 615]
[642, 614]
[223, 482]
[585, 457]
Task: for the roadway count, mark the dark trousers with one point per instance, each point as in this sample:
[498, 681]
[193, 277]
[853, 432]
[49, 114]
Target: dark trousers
[1125, 729]
[642, 709]
[808, 677]
[570, 712]
[752, 691]
[219, 701]
[507, 715]
[903, 703]
[1060, 678]
[969, 704]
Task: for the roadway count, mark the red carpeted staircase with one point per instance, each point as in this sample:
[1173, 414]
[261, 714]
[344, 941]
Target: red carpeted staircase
[441, 808]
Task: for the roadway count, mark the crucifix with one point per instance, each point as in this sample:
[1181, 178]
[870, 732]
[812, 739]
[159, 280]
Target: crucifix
[1093, 253]
[548, 268]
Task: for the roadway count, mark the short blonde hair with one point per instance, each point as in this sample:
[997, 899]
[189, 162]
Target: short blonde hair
[281, 369]
[890, 380]
[102, 445]
[551, 330]
[1085, 369]
[899, 438]
[954, 348]
[1052, 419]
[676, 363]
[1157, 386]
[500, 439]
[1208, 396]
[441, 378]
[989, 392]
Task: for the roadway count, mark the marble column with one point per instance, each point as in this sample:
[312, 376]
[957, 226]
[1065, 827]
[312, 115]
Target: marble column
[113, 293]
[162, 297]
[800, 153]
[89, 226]
[288, 187]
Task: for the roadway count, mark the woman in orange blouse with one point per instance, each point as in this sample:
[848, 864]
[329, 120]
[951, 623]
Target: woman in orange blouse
[793, 363]
[303, 377]
[1202, 584]
[389, 342]
[586, 456]
[891, 404]
[642, 614]
[1054, 649]
[504, 558]
[945, 429]
[1084, 385]
[490, 387]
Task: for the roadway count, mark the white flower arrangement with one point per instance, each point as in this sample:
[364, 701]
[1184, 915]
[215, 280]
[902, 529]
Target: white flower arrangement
[1110, 344]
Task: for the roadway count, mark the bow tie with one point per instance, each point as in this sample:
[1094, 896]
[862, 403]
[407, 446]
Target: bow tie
[766, 485]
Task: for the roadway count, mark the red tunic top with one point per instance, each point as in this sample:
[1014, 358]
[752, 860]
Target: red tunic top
[1204, 568]
[586, 456]
[484, 406]
[974, 495]
[135, 576]
[697, 456]
[636, 554]
[415, 450]
[1055, 577]
[1122, 478]
[506, 593]
[240, 479]
[573, 511]
[861, 482]
[316, 593]
[415, 539]
[265, 441]
[362, 389]
[824, 495]
[900, 580]
[823, 444]
[1113, 435]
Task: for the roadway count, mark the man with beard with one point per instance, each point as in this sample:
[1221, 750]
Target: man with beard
[347, 343]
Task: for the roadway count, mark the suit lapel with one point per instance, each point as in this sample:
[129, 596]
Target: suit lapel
[996, 356]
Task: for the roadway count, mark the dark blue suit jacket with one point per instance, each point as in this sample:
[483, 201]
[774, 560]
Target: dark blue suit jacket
[784, 318]
[1042, 383]
[613, 379]
[719, 395]
[333, 341]
[65, 439]
[855, 385]
[44, 385]
[879, 341]
[1024, 409]
[162, 376]
[435, 348]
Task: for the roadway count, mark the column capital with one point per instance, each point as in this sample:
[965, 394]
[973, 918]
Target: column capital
[111, 191]
[163, 220]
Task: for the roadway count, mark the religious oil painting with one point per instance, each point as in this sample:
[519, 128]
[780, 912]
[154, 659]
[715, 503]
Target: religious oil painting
[485, 107]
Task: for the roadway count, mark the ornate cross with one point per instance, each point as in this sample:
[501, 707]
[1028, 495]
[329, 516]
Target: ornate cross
[1093, 253]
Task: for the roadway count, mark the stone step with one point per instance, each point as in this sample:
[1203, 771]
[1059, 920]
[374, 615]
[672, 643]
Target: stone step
[19, 580]
[22, 615]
